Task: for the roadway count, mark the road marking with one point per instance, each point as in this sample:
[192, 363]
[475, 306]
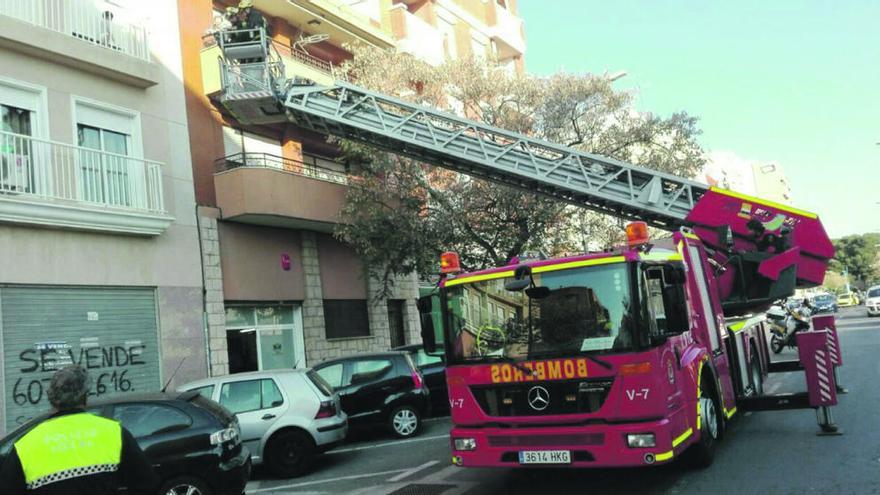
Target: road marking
[850, 329]
[432, 420]
[412, 471]
[386, 444]
[318, 482]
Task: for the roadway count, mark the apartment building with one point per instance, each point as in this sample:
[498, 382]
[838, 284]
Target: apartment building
[99, 252]
[280, 289]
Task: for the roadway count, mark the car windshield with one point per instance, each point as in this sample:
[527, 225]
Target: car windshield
[823, 298]
[586, 310]
[874, 292]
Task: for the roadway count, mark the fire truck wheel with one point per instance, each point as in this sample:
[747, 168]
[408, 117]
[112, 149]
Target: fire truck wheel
[776, 344]
[757, 379]
[703, 452]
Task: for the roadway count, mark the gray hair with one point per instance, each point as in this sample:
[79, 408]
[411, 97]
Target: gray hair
[69, 387]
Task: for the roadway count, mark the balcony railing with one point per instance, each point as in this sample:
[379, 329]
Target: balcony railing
[38, 170]
[310, 166]
[84, 20]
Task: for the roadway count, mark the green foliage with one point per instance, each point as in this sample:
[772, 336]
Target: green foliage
[402, 214]
[860, 256]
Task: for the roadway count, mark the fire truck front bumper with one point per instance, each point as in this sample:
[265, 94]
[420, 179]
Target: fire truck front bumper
[605, 445]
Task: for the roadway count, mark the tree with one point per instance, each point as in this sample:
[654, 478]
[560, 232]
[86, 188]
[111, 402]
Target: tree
[401, 214]
[858, 255]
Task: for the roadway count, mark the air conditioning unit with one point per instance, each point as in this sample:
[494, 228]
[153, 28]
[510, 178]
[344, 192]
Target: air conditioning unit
[15, 172]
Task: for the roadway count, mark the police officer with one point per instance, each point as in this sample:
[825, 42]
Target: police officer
[73, 452]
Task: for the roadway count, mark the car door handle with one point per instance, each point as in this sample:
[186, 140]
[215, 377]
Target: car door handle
[268, 416]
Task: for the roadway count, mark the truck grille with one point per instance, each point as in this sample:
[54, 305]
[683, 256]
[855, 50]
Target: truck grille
[565, 397]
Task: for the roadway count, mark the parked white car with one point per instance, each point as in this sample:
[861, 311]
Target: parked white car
[286, 416]
[872, 301]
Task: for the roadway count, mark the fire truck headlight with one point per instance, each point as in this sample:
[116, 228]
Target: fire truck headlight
[638, 440]
[465, 444]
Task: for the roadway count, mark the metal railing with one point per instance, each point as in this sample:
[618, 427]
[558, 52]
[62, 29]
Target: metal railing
[304, 58]
[308, 167]
[41, 170]
[82, 19]
[249, 63]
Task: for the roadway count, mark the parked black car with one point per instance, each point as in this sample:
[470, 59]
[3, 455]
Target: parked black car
[192, 442]
[380, 388]
[824, 303]
[433, 368]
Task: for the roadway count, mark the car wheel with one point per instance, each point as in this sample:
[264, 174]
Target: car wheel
[184, 485]
[290, 453]
[404, 421]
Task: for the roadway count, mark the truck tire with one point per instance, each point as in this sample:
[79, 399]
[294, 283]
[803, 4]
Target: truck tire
[702, 453]
[757, 378]
[776, 344]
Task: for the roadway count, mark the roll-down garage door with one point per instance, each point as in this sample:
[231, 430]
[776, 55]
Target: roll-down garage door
[110, 331]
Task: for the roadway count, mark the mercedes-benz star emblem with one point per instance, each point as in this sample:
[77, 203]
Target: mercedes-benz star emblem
[539, 398]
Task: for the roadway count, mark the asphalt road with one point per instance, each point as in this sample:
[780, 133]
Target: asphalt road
[763, 453]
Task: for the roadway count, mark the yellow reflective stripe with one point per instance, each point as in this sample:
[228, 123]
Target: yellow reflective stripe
[730, 412]
[67, 443]
[681, 438]
[737, 327]
[479, 278]
[765, 202]
[691, 235]
[538, 269]
[661, 257]
[664, 456]
[578, 264]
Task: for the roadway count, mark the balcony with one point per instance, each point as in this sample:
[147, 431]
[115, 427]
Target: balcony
[508, 34]
[341, 22]
[80, 34]
[421, 40]
[59, 185]
[263, 189]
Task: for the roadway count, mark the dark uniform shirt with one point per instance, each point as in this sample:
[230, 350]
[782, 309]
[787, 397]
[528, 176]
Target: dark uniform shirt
[134, 471]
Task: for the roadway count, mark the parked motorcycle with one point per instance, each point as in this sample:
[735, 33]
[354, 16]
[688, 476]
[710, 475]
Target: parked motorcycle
[786, 320]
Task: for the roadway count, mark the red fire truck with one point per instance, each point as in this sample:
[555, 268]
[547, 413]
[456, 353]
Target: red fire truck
[621, 358]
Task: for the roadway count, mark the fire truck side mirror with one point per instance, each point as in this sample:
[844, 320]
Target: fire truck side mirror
[426, 318]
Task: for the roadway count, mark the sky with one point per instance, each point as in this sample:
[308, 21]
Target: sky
[792, 82]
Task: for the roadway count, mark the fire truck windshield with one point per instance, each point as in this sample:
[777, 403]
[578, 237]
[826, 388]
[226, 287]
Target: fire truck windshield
[587, 310]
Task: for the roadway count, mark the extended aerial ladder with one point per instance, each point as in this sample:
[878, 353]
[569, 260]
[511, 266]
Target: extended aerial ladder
[765, 249]
[760, 250]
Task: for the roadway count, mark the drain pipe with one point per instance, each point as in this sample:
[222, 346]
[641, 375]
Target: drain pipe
[205, 328]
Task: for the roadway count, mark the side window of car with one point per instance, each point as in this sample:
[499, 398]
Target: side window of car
[271, 394]
[250, 395]
[369, 369]
[207, 391]
[332, 374]
[423, 359]
[150, 419]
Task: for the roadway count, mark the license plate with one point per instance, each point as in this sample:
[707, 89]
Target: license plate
[545, 457]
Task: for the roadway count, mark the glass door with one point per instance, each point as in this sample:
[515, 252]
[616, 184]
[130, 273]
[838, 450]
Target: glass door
[104, 177]
[16, 173]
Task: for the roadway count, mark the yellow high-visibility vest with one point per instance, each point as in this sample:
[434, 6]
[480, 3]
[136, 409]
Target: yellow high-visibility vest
[69, 446]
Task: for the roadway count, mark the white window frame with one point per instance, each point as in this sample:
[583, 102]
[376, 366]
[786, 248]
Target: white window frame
[299, 351]
[137, 176]
[38, 103]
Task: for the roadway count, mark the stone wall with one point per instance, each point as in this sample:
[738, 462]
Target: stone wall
[215, 309]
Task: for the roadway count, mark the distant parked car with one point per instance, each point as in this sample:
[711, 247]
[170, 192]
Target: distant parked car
[872, 301]
[380, 388]
[824, 303]
[433, 368]
[286, 416]
[192, 442]
[847, 299]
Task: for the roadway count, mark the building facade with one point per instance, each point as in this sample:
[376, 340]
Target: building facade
[280, 289]
[765, 180]
[99, 248]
